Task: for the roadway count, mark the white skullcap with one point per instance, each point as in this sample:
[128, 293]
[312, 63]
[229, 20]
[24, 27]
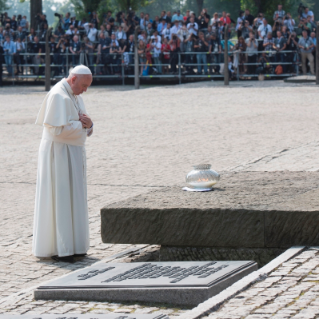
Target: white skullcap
[81, 69]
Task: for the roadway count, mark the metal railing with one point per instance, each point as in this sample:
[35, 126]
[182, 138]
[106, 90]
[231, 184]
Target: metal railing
[105, 66]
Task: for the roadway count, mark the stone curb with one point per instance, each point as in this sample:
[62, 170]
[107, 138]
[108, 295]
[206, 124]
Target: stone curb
[108, 259]
[258, 275]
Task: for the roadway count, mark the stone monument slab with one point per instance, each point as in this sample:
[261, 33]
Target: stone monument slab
[245, 210]
[179, 283]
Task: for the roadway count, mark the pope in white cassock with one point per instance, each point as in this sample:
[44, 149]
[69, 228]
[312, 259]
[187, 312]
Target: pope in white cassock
[61, 225]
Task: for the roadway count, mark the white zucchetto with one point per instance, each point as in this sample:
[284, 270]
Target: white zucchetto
[81, 69]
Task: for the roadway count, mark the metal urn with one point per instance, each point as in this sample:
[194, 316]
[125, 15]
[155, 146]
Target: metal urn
[202, 177]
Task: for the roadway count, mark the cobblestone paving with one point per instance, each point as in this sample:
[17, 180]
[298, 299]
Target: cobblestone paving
[291, 291]
[143, 139]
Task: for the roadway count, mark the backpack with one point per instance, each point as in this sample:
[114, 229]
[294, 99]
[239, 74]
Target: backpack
[279, 70]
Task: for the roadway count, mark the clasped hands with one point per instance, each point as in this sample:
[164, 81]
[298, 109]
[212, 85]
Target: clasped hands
[85, 120]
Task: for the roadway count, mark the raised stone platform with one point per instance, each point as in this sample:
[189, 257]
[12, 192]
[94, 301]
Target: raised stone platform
[246, 209]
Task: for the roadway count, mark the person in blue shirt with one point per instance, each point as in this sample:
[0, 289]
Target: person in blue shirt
[161, 26]
[9, 49]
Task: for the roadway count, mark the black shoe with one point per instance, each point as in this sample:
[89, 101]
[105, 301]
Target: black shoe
[66, 259]
[80, 255]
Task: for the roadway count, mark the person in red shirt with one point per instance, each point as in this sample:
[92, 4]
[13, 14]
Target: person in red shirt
[166, 48]
[224, 19]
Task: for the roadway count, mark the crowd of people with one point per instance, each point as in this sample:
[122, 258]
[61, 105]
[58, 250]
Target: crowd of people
[197, 42]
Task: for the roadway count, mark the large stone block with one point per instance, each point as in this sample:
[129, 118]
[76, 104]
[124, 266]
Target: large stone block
[246, 209]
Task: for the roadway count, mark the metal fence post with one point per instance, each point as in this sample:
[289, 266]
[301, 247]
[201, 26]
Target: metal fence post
[179, 68]
[226, 72]
[123, 81]
[47, 61]
[136, 62]
[238, 66]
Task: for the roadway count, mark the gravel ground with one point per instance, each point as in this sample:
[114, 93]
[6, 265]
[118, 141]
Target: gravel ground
[144, 139]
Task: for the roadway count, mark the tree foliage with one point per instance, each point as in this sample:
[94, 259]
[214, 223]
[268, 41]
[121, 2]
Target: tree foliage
[3, 5]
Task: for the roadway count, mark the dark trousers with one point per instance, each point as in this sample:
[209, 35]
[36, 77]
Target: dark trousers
[1, 74]
[174, 60]
[251, 69]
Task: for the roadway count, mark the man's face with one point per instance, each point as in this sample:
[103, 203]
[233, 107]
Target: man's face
[308, 18]
[8, 39]
[80, 83]
[131, 37]
[20, 29]
[313, 35]
[113, 37]
[142, 15]
[36, 39]
[191, 20]
[304, 34]
[75, 39]
[306, 10]
[279, 7]
[265, 22]
[108, 27]
[246, 12]
[278, 34]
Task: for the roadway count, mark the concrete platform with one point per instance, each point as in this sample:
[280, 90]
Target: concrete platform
[246, 209]
[301, 79]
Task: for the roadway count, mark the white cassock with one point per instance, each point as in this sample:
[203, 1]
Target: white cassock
[61, 225]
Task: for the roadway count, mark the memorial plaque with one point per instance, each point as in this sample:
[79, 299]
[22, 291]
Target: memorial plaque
[86, 316]
[180, 283]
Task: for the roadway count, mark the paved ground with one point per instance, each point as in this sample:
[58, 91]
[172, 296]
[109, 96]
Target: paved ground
[145, 139]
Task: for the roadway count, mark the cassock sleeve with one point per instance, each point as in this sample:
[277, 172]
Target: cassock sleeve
[73, 130]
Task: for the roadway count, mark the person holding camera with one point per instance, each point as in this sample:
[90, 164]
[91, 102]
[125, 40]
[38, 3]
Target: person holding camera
[289, 22]
[62, 50]
[292, 45]
[214, 51]
[176, 28]
[307, 13]
[245, 29]
[14, 23]
[115, 54]
[8, 32]
[306, 45]
[91, 31]
[240, 22]
[203, 18]
[175, 45]
[19, 57]
[192, 27]
[268, 44]
[165, 49]
[9, 49]
[252, 51]
[279, 14]
[75, 50]
[264, 29]
[280, 45]
[166, 33]
[156, 50]
[201, 47]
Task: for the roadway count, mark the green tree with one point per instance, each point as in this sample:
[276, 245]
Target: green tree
[3, 5]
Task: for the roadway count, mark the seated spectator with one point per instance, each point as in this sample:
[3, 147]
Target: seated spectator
[37, 49]
[166, 33]
[177, 17]
[201, 47]
[9, 49]
[306, 44]
[279, 14]
[75, 50]
[120, 34]
[280, 45]
[289, 22]
[165, 54]
[252, 51]
[240, 47]
[192, 26]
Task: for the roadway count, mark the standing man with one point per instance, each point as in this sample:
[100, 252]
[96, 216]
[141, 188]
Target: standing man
[306, 45]
[61, 225]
